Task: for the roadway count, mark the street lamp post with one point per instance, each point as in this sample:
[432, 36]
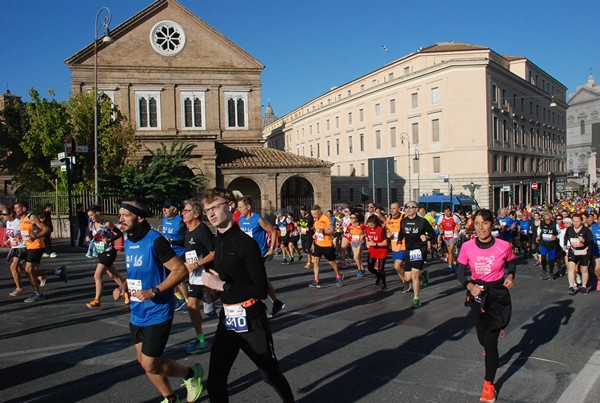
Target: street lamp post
[536, 191]
[105, 23]
[404, 136]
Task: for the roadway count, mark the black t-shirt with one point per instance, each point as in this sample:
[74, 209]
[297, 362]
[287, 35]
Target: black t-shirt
[201, 240]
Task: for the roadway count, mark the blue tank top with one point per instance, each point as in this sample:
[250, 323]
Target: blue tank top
[524, 226]
[171, 228]
[596, 232]
[143, 264]
[251, 226]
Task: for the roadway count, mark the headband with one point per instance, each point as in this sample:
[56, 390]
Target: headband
[135, 210]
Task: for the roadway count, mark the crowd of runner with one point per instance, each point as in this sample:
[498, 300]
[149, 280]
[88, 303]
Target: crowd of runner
[562, 238]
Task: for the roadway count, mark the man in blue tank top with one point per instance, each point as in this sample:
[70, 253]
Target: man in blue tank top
[173, 229]
[153, 270]
[257, 228]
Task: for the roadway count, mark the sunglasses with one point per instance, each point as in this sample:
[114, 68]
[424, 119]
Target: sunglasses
[410, 206]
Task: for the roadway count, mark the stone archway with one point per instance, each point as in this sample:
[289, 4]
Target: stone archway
[247, 187]
[295, 192]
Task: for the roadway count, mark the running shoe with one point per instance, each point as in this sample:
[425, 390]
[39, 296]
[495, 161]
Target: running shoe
[342, 265]
[450, 269]
[291, 260]
[53, 255]
[300, 257]
[572, 291]
[416, 304]
[184, 308]
[126, 298]
[360, 273]
[339, 281]
[45, 255]
[307, 265]
[197, 347]
[194, 384]
[179, 303]
[93, 304]
[314, 284]
[488, 395]
[537, 263]
[583, 290]
[378, 280]
[578, 279]
[277, 307]
[545, 276]
[89, 255]
[17, 292]
[406, 287]
[424, 278]
[62, 273]
[34, 298]
[383, 285]
[211, 315]
[42, 280]
[284, 261]
[166, 400]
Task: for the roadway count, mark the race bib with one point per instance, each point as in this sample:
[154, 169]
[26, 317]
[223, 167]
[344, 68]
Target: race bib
[547, 237]
[575, 242]
[355, 238]
[195, 278]
[524, 231]
[100, 247]
[448, 234]
[415, 255]
[320, 236]
[235, 318]
[134, 286]
[25, 236]
[395, 236]
[283, 232]
[303, 230]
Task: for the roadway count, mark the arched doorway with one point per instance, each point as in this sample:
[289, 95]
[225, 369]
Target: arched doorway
[247, 187]
[295, 192]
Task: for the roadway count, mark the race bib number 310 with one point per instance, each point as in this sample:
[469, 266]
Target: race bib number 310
[235, 318]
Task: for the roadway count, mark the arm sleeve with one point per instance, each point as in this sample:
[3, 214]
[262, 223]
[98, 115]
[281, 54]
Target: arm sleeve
[511, 267]
[163, 250]
[461, 274]
[116, 233]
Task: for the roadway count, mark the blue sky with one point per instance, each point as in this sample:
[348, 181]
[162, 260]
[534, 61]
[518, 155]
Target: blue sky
[310, 46]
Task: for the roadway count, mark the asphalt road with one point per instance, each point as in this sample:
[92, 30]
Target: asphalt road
[348, 344]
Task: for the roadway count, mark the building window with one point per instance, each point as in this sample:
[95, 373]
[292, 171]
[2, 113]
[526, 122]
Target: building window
[352, 171]
[378, 139]
[362, 169]
[390, 76]
[414, 100]
[237, 110]
[351, 194]
[505, 163]
[393, 136]
[362, 142]
[167, 38]
[349, 118]
[327, 122]
[318, 131]
[350, 144]
[328, 149]
[377, 110]
[415, 133]
[495, 128]
[148, 110]
[361, 115]
[582, 127]
[494, 94]
[496, 164]
[505, 131]
[318, 150]
[338, 190]
[337, 122]
[435, 95]
[392, 106]
[516, 164]
[406, 70]
[436, 165]
[504, 100]
[193, 110]
[337, 146]
[516, 133]
[435, 130]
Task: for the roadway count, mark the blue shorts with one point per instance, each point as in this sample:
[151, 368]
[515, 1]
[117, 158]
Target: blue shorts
[400, 255]
[549, 253]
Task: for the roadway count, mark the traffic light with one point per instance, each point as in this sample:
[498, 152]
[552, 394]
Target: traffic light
[76, 173]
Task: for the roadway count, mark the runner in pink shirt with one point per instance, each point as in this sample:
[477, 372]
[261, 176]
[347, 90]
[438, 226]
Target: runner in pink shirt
[488, 257]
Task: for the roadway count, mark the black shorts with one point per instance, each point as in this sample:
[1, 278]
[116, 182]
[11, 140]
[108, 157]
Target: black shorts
[107, 258]
[327, 252]
[153, 338]
[285, 239]
[583, 260]
[195, 291]
[415, 264]
[20, 253]
[294, 240]
[307, 242]
[34, 256]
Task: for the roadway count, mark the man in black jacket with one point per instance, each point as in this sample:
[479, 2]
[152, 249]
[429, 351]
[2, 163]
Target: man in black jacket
[241, 279]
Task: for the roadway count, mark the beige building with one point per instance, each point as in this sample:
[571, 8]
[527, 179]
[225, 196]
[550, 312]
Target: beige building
[583, 129]
[174, 76]
[449, 117]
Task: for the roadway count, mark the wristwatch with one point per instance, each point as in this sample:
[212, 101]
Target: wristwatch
[226, 287]
[155, 291]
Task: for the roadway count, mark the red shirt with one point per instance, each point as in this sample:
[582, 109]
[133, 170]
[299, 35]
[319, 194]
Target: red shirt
[376, 235]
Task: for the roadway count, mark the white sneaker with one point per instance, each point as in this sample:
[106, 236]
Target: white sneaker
[53, 255]
[45, 255]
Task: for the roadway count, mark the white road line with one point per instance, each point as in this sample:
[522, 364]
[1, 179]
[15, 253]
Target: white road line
[583, 383]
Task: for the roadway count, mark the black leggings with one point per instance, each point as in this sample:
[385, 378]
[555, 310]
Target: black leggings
[380, 272]
[489, 340]
[257, 343]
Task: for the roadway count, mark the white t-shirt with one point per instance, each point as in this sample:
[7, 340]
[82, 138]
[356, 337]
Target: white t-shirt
[13, 233]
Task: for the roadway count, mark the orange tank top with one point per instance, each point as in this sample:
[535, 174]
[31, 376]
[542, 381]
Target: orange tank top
[28, 235]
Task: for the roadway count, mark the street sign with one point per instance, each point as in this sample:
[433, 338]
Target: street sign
[505, 188]
[534, 186]
[560, 187]
[62, 156]
[70, 145]
[56, 163]
[81, 149]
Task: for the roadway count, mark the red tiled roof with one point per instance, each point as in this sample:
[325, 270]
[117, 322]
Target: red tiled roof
[261, 157]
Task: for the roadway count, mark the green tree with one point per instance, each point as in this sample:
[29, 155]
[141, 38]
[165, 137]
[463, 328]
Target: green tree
[164, 174]
[14, 123]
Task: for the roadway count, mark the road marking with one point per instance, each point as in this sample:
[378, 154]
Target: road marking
[583, 383]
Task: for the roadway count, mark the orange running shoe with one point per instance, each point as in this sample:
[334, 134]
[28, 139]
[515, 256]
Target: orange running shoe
[488, 395]
[93, 304]
[307, 265]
